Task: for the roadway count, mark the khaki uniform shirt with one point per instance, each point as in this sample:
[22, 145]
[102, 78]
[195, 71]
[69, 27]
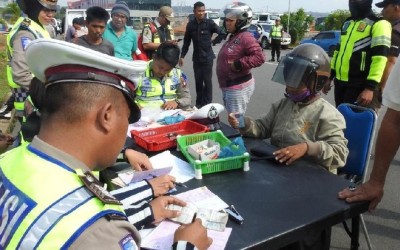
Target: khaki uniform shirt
[319, 124]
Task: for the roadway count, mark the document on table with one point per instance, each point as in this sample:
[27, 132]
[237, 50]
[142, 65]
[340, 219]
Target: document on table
[162, 237]
[130, 176]
[181, 170]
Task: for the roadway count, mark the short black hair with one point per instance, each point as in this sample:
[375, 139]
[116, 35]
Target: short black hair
[97, 13]
[76, 21]
[198, 4]
[168, 52]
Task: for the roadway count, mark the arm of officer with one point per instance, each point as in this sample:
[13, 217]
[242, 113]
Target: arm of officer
[183, 98]
[147, 41]
[20, 70]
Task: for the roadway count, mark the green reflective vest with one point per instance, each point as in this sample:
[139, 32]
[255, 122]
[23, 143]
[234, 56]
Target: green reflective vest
[276, 32]
[152, 92]
[44, 203]
[361, 56]
[39, 32]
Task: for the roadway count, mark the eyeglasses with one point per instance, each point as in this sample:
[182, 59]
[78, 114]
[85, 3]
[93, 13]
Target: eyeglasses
[117, 16]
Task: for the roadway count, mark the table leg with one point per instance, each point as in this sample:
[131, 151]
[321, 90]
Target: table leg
[355, 232]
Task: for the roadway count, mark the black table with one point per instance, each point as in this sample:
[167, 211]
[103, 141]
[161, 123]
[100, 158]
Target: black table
[280, 204]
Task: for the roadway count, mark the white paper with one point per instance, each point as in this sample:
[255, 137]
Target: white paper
[181, 170]
[162, 237]
[131, 176]
[202, 197]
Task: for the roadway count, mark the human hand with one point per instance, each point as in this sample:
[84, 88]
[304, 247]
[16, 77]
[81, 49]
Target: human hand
[138, 161]
[162, 184]
[233, 121]
[181, 61]
[5, 141]
[289, 154]
[370, 191]
[159, 204]
[170, 105]
[194, 233]
[365, 97]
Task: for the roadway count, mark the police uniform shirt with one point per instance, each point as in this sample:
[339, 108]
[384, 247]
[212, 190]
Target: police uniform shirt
[20, 70]
[163, 32]
[102, 233]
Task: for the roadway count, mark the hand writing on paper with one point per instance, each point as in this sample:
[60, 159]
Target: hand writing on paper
[162, 184]
[289, 154]
[138, 161]
[159, 204]
[194, 233]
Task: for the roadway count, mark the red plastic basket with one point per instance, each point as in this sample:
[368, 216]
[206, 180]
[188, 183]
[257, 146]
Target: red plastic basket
[161, 138]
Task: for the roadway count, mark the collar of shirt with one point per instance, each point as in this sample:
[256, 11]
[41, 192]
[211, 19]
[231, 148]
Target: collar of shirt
[65, 158]
[158, 25]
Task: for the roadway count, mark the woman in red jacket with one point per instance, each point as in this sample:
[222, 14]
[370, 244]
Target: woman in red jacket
[237, 57]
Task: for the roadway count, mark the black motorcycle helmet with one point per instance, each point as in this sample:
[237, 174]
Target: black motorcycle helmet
[307, 64]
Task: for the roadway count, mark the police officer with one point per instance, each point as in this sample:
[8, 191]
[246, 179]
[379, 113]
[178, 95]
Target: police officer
[39, 14]
[164, 85]
[159, 31]
[88, 104]
[360, 58]
[276, 39]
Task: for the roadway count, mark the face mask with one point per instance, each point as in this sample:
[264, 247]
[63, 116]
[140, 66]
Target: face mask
[298, 97]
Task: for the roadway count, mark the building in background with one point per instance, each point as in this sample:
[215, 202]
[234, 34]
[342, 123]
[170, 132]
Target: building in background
[153, 5]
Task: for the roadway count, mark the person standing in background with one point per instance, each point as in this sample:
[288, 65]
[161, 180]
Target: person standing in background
[159, 31]
[39, 13]
[96, 21]
[236, 58]
[200, 31]
[276, 39]
[360, 59]
[119, 34]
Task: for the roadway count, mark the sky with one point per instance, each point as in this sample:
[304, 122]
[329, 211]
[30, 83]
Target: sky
[280, 6]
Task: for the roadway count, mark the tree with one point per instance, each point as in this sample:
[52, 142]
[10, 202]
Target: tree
[335, 20]
[299, 23]
[12, 12]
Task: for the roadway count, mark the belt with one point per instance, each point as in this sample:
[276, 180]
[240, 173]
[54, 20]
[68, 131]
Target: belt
[239, 80]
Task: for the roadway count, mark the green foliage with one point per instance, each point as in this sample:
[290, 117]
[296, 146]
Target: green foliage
[298, 24]
[335, 20]
[11, 12]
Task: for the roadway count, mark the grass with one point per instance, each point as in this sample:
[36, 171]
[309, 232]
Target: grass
[4, 88]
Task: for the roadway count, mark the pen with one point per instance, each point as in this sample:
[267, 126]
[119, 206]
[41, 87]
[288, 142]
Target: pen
[180, 184]
[194, 217]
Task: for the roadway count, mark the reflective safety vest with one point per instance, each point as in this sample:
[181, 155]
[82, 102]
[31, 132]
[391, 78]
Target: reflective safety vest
[361, 56]
[44, 203]
[38, 32]
[153, 92]
[156, 37]
[276, 32]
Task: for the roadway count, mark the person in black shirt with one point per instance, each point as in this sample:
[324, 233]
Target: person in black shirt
[200, 30]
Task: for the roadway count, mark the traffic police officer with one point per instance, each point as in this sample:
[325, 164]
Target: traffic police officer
[49, 198]
[276, 39]
[164, 85]
[26, 29]
[359, 60]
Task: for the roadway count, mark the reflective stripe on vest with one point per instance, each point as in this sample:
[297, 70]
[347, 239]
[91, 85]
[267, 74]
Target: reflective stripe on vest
[38, 32]
[152, 92]
[44, 204]
[276, 32]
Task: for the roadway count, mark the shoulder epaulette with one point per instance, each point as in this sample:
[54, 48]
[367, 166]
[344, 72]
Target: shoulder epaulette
[26, 22]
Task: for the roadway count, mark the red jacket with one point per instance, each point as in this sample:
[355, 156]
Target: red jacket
[246, 53]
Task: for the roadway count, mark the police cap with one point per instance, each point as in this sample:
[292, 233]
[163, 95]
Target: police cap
[72, 63]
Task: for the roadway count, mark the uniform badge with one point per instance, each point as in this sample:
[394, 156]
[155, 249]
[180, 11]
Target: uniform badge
[212, 113]
[361, 27]
[25, 41]
[127, 243]
[96, 187]
[146, 32]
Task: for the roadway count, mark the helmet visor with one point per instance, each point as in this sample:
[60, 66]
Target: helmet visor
[294, 71]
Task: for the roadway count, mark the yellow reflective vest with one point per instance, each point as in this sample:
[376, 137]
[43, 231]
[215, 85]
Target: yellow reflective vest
[154, 92]
[361, 56]
[38, 32]
[276, 32]
[44, 203]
